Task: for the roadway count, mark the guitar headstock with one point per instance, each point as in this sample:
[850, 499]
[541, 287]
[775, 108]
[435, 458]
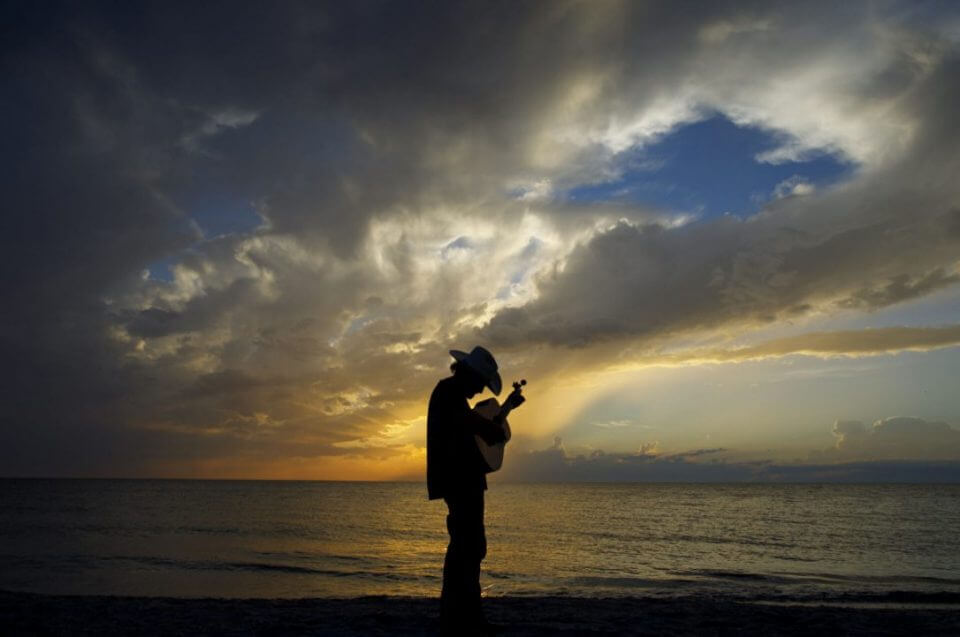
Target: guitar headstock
[515, 397]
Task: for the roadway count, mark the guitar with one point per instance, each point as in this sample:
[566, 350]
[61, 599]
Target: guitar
[489, 408]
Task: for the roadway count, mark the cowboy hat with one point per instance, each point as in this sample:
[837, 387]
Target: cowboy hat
[482, 362]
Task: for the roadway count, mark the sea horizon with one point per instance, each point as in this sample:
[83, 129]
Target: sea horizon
[494, 482]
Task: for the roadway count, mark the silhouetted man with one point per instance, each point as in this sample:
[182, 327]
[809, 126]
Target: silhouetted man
[456, 472]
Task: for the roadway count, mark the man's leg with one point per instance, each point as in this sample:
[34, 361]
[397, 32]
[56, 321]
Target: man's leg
[460, 598]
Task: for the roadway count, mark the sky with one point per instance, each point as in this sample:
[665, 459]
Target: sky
[721, 241]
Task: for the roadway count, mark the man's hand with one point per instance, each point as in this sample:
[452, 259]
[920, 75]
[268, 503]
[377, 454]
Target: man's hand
[514, 400]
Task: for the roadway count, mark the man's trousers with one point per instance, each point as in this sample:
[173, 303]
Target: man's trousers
[460, 598]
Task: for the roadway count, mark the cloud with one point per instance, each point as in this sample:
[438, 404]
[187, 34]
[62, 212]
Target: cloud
[695, 453]
[389, 436]
[795, 186]
[863, 342]
[891, 449]
[721, 30]
[374, 141]
[617, 424]
[649, 281]
[901, 288]
[896, 438]
[460, 243]
[554, 465]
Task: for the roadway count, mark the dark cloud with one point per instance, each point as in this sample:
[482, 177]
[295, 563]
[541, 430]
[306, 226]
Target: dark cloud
[379, 143]
[901, 288]
[554, 465]
[897, 437]
[863, 342]
[693, 454]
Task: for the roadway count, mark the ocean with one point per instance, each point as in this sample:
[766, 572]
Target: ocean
[193, 538]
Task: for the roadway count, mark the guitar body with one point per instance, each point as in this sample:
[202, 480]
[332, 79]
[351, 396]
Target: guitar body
[492, 454]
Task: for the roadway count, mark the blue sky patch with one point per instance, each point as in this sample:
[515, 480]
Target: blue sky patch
[221, 214]
[162, 270]
[709, 168]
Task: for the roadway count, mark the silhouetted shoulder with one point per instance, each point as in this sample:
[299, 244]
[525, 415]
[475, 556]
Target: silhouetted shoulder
[445, 392]
[445, 385]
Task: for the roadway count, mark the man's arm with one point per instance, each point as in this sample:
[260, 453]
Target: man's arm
[492, 431]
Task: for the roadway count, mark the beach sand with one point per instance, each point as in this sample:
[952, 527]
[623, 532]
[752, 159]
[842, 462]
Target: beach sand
[33, 614]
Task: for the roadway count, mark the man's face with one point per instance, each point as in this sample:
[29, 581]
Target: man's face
[473, 384]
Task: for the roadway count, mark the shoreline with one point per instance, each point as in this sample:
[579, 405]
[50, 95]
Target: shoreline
[38, 614]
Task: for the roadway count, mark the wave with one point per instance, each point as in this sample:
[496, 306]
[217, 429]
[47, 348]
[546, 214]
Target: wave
[265, 567]
[805, 577]
[589, 581]
[879, 579]
[693, 539]
[756, 583]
